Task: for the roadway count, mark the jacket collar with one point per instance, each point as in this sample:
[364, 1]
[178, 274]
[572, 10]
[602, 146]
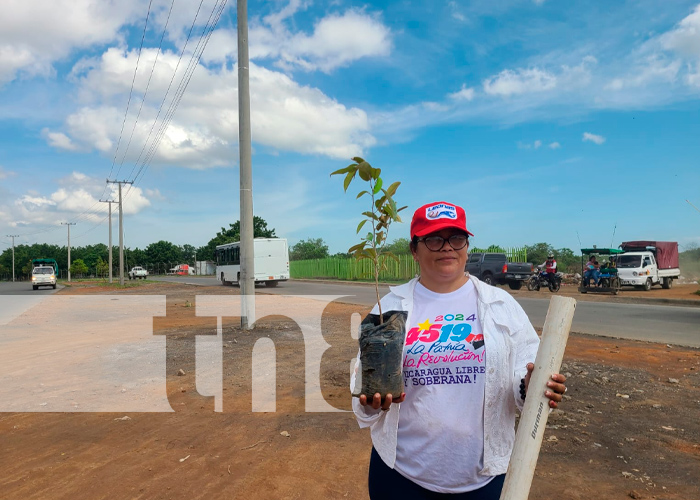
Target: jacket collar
[485, 292]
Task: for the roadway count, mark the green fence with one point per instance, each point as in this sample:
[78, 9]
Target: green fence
[352, 270]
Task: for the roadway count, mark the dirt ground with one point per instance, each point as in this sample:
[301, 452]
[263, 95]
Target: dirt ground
[628, 428]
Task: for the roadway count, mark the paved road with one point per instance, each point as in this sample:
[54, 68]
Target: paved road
[24, 288]
[656, 323]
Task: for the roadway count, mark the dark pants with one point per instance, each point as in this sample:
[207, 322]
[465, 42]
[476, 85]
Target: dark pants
[387, 484]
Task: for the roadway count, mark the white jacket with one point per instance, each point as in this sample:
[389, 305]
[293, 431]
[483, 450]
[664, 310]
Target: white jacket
[511, 343]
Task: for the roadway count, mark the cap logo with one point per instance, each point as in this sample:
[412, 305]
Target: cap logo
[441, 211]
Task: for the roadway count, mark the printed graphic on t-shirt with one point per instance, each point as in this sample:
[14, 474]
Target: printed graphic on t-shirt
[444, 349]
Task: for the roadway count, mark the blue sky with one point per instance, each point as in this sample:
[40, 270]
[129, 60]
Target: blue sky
[546, 120]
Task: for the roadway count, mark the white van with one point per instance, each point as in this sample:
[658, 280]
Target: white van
[43, 276]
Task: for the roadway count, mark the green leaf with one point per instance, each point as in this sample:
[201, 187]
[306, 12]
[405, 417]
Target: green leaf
[370, 215]
[359, 226]
[358, 160]
[344, 170]
[392, 189]
[365, 171]
[348, 180]
[374, 172]
[361, 193]
[355, 248]
[369, 237]
[378, 185]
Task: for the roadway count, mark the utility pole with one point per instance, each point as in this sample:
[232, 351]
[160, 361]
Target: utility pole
[13, 236]
[121, 230]
[110, 236]
[69, 224]
[247, 279]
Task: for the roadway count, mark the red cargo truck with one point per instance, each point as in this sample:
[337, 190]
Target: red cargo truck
[646, 263]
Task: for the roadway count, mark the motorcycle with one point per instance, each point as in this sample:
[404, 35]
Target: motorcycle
[541, 279]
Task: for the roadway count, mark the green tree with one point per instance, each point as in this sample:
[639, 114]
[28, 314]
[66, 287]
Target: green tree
[162, 251]
[101, 267]
[78, 268]
[400, 246]
[309, 249]
[537, 253]
[232, 234]
[188, 253]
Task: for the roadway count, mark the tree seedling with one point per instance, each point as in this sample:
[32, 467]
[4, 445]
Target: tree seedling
[383, 212]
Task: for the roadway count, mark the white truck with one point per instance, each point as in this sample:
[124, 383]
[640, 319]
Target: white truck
[138, 272]
[647, 263]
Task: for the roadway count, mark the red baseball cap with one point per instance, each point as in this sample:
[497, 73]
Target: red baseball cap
[437, 216]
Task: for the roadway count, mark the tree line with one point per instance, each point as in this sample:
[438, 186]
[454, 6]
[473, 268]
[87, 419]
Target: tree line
[159, 256]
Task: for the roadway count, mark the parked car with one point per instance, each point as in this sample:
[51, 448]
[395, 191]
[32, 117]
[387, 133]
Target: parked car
[494, 269]
[138, 272]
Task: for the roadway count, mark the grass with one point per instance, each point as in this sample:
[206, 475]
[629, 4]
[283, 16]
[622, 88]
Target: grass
[105, 282]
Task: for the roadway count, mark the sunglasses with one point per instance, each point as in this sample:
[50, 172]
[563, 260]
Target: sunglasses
[436, 243]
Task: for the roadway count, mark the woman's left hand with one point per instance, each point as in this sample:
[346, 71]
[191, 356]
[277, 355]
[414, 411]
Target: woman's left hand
[556, 386]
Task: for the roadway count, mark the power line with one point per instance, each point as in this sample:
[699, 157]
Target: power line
[184, 82]
[148, 84]
[182, 52]
[131, 90]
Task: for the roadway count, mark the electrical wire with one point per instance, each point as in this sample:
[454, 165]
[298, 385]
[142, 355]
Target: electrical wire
[131, 90]
[182, 87]
[148, 84]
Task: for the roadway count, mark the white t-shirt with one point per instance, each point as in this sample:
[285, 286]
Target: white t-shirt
[440, 440]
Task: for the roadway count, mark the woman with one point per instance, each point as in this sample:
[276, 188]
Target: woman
[467, 361]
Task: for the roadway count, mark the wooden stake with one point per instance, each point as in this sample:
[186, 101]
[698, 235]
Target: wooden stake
[533, 419]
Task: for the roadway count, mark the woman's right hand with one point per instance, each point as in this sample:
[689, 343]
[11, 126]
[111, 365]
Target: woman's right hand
[376, 401]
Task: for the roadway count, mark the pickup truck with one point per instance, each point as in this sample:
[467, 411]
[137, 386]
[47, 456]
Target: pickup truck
[648, 263]
[138, 272]
[494, 268]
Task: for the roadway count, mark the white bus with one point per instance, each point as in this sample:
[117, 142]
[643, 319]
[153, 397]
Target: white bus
[271, 261]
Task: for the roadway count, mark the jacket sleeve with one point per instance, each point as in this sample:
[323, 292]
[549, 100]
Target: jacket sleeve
[365, 415]
[526, 342]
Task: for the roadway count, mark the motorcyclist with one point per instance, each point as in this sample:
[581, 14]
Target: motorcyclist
[550, 268]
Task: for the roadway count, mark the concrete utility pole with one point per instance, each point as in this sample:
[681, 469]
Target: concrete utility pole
[69, 224]
[247, 279]
[110, 236]
[13, 236]
[121, 230]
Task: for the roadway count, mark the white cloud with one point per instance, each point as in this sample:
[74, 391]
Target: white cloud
[337, 40]
[525, 145]
[554, 145]
[75, 198]
[455, 12]
[521, 81]
[685, 37]
[464, 94]
[59, 140]
[33, 35]
[597, 139]
[204, 129]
